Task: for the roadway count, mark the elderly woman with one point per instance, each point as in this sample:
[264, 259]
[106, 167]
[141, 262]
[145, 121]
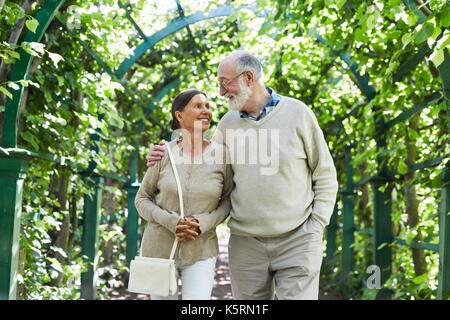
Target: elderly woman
[206, 181]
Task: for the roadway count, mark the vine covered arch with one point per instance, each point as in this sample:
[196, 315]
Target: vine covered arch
[48, 12]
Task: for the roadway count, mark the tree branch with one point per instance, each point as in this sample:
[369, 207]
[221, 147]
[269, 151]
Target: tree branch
[423, 7]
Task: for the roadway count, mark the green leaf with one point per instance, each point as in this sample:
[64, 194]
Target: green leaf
[6, 58]
[6, 92]
[432, 39]
[32, 24]
[406, 39]
[359, 35]
[437, 57]
[340, 3]
[437, 181]
[13, 54]
[104, 128]
[48, 96]
[93, 121]
[116, 121]
[27, 136]
[69, 131]
[393, 3]
[360, 12]
[28, 49]
[402, 168]
[395, 34]
[381, 246]
[55, 264]
[411, 18]
[444, 17]
[36, 46]
[421, 278]
[35, 251]
[60, 80]
[83, 118]
[59, 250]
[24, 83]
[372, 20]
[424, 33]
[92, 107]
[413, 134]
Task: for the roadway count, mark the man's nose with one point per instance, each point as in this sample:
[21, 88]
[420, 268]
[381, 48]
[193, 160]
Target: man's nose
[222, 91]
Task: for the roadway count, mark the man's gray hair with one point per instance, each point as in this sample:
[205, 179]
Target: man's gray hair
[249, 62]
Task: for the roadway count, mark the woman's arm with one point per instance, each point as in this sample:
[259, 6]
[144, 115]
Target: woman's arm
[147, 209]
[212, 219]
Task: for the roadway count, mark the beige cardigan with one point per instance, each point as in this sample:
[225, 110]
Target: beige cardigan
[206, 185]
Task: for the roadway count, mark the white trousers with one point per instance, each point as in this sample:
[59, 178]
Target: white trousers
[197, 281]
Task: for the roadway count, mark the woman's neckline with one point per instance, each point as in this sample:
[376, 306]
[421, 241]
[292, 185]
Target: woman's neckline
[177, 143]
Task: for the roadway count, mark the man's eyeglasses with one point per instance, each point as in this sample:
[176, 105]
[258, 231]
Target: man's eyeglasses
[224, 84]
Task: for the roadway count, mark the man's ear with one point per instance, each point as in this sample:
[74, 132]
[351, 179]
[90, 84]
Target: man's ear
[249, 77]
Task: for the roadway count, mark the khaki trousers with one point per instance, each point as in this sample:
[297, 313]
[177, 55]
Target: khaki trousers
[287, 266]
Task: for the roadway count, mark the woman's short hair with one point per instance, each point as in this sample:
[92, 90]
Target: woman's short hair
[178, 104]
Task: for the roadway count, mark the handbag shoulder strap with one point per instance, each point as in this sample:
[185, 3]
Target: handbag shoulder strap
[177, 178]
[180, 196]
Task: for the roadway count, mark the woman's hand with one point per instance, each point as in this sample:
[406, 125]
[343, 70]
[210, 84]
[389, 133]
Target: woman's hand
[187, 229]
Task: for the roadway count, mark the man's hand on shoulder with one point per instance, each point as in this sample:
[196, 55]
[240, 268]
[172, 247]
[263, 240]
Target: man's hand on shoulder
[155, 154]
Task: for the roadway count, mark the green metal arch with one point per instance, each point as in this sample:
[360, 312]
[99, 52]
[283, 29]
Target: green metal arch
[444, 217]
[362, 81]
[44, 17]
[140, 127]
[171, 28]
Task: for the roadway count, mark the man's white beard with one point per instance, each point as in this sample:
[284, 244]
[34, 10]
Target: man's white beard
[240, 100]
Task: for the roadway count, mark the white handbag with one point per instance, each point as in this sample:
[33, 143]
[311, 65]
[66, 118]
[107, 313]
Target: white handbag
[156, 276]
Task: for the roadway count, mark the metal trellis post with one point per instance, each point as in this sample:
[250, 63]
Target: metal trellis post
[92, 203]
[382, 235]
[12, 175]
[132, 223]
[444, 217]
[331, 236]
[348, 201]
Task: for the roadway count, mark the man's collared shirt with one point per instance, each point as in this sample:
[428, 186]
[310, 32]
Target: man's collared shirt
[273, 101]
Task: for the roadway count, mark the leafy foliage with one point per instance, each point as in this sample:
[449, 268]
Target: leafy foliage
[381, 36]
[72, 100]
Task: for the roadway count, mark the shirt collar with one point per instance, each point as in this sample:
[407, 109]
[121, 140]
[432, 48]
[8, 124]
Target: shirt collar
[273, 101]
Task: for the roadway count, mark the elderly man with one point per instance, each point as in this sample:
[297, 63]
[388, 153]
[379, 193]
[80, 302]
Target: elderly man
[279, 211]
